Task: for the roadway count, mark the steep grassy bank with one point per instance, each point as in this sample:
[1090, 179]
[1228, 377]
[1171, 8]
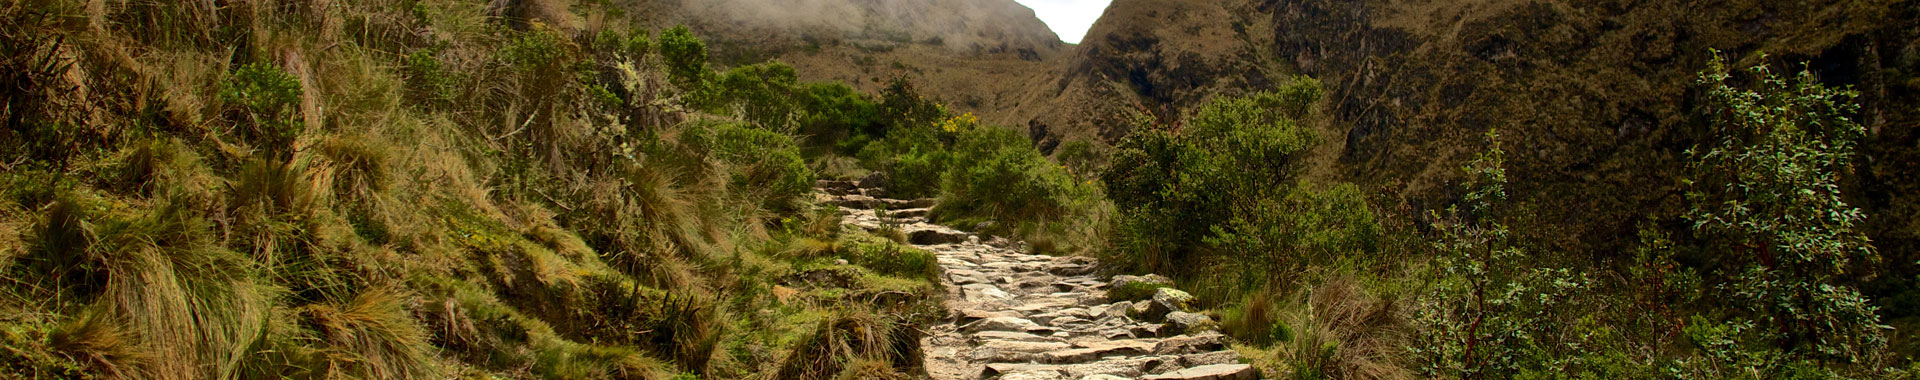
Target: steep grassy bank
[417, 189]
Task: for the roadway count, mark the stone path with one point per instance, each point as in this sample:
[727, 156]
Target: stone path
[1015, 315]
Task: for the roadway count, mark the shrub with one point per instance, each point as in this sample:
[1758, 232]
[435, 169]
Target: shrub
[428, 80]
[685, 58]
[1276, 239]
[762, 92]
[1176, 187]
[266, 105]
[836, 113]
[1765, 191]
[1082, 159]
[764, 162]
[1492, 307]
[996, 173]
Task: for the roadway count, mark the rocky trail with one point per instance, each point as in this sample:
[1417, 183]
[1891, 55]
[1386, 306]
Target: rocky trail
[1017, 315]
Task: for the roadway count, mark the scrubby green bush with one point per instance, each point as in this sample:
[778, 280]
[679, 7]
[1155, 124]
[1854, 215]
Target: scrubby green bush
[428, 81]
[764, 162]
[995, 173]
[1483, 314]
[266, 103]
[1766, 197]
[763, 93]
[1222, 192]
[685, 58]
[834, 113]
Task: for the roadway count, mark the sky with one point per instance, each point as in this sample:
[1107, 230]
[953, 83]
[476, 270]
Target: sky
[1068, 18]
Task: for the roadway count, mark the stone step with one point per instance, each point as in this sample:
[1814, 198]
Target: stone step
[935, 236]
[1210, 372]
[920, 213]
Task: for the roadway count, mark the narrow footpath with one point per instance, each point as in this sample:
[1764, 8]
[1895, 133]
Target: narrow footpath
[1014, 315]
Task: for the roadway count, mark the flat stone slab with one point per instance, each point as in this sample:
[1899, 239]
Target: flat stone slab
[1210, 372]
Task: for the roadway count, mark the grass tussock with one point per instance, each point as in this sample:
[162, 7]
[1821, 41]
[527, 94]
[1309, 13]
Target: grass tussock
[1336, 329]
[372, 336]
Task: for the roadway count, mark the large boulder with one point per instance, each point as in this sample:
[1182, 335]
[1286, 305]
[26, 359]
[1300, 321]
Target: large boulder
[1167, 300]
[1123, 280]
[1181, 322]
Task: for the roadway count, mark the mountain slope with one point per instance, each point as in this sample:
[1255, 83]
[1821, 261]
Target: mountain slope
[1595, 97]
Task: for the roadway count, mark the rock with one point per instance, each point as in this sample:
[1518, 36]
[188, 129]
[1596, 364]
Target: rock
[908, 213]
[1012, 336]
[875, 180]
[1210, 358]
[984, 292]
[1167, 300]
[1140, 309]
[970, 315]
[839, 261]
[1210, 372]
[1090, 352]
[836, 187]
[1102, 377]
[1038, 374]
[1070, 270]
[1145, 330]
[1002, 324]
[931, 237]
[999, 351]
[857, 202]
[1123, 280]
[903, 204]
[964, 280]
[1181, 322]
[1001, 369]
[1190, 344]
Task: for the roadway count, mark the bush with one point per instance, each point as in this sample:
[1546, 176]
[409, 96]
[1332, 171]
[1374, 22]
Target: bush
[995, 173]
[1766, 195]
[836, 113]
[764, 162]
[1175, 188]
[428, 81]
[1277, 239]
[685, 57]
[266, 104]
[762, 92]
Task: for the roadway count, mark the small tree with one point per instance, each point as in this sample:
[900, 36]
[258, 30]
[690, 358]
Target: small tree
[1493, 308]
[1766, 194]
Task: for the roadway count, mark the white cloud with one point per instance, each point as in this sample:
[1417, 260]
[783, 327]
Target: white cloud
[1068, 18]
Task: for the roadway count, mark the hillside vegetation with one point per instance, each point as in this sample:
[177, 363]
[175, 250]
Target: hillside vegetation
[561, 190]
[439, 189]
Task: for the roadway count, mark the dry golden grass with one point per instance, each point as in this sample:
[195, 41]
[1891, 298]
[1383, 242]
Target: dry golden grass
[102, 345]
[373, 336]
